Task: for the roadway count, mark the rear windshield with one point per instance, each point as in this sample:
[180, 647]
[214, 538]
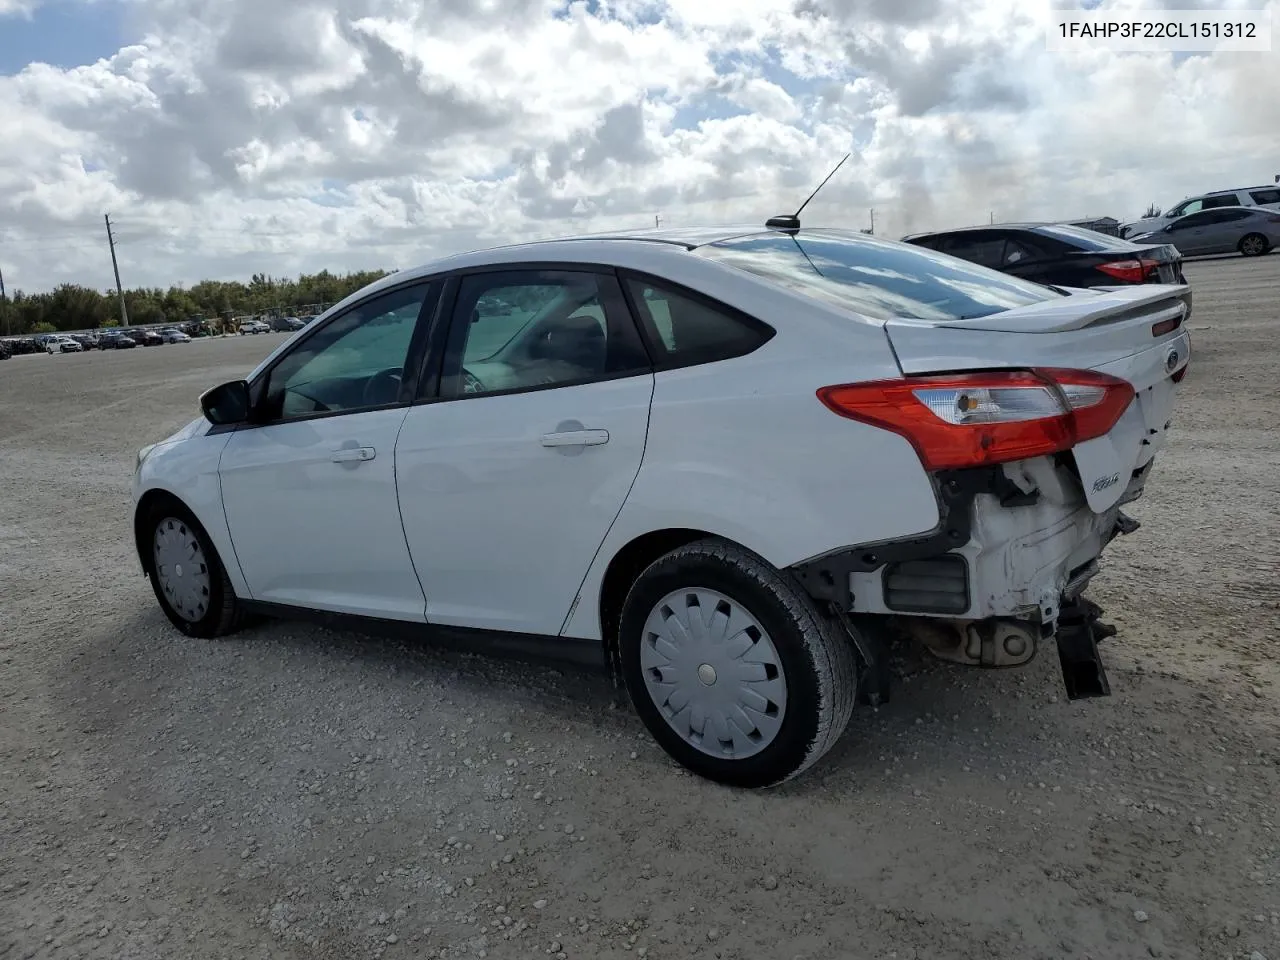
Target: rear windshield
[875, 277]
[1082, 238]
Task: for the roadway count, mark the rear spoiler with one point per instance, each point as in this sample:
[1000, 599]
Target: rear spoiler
[1118, 304]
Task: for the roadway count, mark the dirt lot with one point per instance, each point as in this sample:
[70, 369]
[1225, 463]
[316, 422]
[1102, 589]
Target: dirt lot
[293, 792]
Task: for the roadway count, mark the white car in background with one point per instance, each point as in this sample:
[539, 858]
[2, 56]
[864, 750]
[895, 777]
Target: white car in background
[62, 345]
[717, 462]
[254, 326]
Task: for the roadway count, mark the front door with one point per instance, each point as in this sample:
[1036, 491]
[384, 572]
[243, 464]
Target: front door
[309, 489]
[511, 478]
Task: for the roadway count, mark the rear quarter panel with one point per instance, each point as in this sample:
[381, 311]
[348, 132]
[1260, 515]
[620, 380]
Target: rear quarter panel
[743, 449]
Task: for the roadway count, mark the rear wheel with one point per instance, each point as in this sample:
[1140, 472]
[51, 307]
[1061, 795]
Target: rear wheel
[732, 668]
[1254, 245]
[187, 575]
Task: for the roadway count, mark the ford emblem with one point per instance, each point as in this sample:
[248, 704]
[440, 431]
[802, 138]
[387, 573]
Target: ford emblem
[1171, 361]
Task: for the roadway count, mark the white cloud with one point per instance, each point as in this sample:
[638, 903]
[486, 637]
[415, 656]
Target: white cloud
[241, 135]
[14, 8]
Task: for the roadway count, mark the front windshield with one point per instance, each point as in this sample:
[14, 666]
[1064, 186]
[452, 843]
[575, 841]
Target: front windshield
[875, 277]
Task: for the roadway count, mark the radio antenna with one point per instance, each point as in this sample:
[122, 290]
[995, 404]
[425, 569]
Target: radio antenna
[792, 222]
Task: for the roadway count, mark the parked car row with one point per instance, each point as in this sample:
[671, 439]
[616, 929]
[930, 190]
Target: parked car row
[125, 338]
[1061, 255]
[1266, 197]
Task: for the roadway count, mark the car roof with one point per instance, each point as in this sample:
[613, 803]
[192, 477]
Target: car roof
[1007, 225]
[678, 240]
[1218, 193]
[1258, 211]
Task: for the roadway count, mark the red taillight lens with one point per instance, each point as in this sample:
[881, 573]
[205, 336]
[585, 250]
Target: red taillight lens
[1166, 326]
[1131, 271]
[970, 420]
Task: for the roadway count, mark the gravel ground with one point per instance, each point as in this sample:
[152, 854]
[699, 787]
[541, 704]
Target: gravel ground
[295, 792]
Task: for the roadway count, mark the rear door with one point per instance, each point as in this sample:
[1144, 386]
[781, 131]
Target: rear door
[1224, 228]
[513, 468]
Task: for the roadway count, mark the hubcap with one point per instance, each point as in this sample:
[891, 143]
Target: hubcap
[713, 673]
[181, 569]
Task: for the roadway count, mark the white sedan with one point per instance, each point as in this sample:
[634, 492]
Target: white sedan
[715, 462]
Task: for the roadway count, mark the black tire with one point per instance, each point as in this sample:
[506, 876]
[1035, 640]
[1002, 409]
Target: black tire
[223, 613]
[1254, 245]
[818, 663]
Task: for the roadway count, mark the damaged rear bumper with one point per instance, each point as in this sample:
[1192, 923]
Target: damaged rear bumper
[1003, 573]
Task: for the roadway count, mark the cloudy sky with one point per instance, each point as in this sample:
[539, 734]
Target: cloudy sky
[227, 137]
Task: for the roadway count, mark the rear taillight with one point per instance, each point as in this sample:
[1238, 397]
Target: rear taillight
[970, 420]
[1131, 271]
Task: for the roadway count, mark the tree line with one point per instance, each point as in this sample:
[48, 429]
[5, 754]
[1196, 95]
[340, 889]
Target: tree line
[75, 307]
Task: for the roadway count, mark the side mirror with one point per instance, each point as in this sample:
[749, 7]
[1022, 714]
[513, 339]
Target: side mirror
[226, 403]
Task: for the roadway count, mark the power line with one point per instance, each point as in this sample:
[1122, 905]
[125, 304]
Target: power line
[124, 311]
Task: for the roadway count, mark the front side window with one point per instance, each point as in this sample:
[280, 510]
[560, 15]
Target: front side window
[1195, 220]
[985, 247]
[530, 329]
[356, 362]
[876, 277]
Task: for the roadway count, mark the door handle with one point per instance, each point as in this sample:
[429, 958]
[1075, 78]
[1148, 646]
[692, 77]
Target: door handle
[575, 438]
[353, 454]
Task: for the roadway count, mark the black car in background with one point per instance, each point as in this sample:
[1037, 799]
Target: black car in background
[115, 341]
[144, 338]
[286, 324]
[1057, 254]
[6, 351]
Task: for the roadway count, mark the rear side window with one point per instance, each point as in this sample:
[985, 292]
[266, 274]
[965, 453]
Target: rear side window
[875, 277]
[683, 329]
[1265, 196]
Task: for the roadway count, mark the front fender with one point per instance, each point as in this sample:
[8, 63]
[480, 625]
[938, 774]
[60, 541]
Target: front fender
[186, 468]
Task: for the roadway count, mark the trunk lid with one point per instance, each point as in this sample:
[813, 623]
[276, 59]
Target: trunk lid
[1115, 332]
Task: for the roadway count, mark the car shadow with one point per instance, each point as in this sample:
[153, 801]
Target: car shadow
[942, 720]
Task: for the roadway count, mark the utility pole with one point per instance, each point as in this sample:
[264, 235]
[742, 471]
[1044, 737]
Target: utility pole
[111, 241]
[4, 303]
[873, 221]
[657, 219]
[991, 217]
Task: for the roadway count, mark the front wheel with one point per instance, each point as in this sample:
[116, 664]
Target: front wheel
[732, 668]
[1254, 245]
[187, 575]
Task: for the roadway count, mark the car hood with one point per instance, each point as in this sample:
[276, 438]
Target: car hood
[1143, 226]
[196, 428]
